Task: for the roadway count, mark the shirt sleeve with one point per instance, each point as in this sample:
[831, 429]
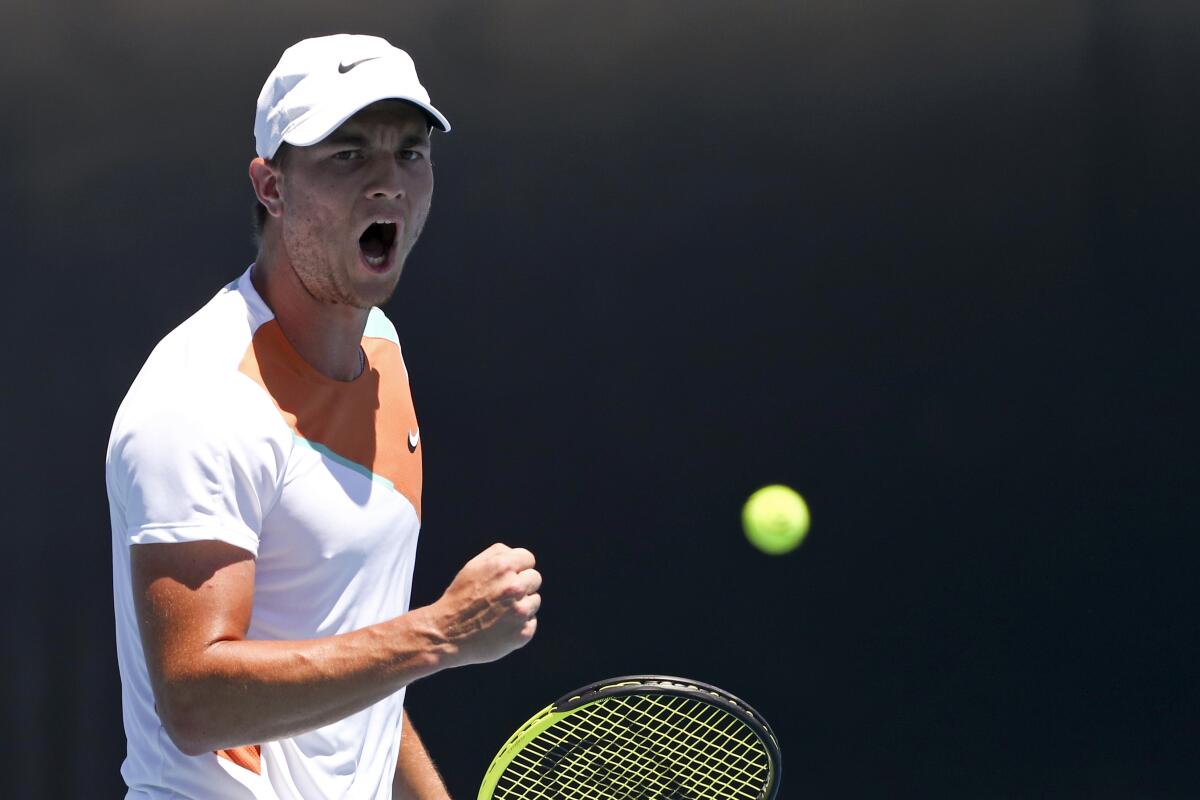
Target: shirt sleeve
[200, 463]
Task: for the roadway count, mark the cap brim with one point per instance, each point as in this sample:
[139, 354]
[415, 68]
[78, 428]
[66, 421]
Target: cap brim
[313, 128]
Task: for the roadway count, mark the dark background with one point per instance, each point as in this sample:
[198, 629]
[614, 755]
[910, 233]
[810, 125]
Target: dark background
[929, 262]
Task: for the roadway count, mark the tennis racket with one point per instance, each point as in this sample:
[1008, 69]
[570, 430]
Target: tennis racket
[640, 737]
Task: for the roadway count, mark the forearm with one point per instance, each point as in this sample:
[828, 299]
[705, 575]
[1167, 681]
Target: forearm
[214, 689]
[238, 692]
[416, 776]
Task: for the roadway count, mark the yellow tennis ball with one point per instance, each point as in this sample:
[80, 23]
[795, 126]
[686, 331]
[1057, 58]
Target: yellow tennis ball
[776, 519]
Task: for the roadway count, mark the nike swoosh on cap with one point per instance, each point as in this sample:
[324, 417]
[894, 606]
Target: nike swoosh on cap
[344, 68]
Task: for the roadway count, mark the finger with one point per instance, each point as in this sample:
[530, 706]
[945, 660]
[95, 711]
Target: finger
[529, 629]
[528, 607]
[531, 579]
[521, 559]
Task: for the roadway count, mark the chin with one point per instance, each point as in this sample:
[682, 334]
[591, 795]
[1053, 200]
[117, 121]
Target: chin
[375, 293]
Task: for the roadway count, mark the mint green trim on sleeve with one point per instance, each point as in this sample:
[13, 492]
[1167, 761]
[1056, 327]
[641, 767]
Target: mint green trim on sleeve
[345, 462]
[380, 327]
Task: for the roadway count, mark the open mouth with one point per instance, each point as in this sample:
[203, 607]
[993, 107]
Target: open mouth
[376, 243]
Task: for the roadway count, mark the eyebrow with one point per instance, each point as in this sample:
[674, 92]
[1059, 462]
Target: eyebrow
[358, 140]
[352, 139]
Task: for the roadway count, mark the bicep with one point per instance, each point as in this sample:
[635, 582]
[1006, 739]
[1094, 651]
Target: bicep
[189, 595]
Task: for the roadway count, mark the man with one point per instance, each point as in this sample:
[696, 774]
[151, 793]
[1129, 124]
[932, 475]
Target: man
[264, 477]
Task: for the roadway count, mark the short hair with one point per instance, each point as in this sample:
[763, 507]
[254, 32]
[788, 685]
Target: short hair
[259, 217]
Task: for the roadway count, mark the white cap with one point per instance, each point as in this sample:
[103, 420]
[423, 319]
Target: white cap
[320, 83]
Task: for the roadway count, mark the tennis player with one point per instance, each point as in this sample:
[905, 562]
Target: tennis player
[264, 477]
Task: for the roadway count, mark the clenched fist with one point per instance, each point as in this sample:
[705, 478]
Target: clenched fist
[491, 606]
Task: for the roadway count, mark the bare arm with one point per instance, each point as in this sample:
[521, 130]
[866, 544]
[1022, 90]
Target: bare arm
[416, 776]
[216, 689]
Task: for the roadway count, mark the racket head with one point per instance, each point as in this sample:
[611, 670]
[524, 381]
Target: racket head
[639, 737]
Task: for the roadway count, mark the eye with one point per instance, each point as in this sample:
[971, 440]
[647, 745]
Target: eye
[411, 155]
[347, 155]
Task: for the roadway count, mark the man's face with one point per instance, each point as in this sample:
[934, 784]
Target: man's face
[354, 204]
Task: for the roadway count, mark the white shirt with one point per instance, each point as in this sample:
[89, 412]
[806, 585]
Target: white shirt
[227, 434]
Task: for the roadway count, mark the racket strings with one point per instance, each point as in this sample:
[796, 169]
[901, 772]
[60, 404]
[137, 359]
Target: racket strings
[709, 744]
[661, 772]
[641, 747]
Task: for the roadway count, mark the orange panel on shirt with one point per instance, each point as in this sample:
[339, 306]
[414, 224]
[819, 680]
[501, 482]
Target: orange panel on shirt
[247, 757]
[368, 421]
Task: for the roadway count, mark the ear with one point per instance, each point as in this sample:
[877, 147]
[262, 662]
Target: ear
[265, 179]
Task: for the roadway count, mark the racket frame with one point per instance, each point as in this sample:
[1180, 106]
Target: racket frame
[632, 685]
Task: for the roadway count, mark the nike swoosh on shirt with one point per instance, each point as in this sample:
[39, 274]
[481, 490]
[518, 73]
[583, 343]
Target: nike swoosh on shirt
[344, 68]
[414, 439]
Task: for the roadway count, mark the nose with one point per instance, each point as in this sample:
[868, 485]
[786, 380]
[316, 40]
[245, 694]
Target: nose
[386, 181]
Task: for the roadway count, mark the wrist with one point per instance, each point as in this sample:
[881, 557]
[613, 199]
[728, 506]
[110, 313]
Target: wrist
[428, 626]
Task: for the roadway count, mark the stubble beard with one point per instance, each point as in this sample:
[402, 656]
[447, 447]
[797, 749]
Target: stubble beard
[326, 281]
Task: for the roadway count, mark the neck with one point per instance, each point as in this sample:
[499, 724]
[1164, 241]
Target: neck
[326, 335]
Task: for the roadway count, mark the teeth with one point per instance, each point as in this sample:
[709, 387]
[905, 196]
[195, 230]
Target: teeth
[381, 259]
